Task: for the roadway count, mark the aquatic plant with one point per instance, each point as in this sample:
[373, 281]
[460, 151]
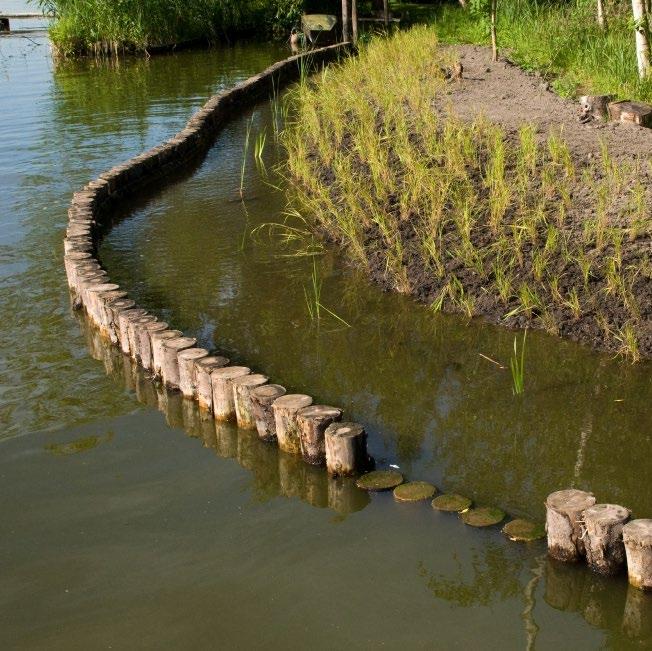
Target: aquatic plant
[245, 153]
[312, 295]
[517, 367]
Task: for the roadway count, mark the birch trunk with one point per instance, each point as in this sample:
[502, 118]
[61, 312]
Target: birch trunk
[642, 39]
[494, 39]
[602, 16]
[354, 21]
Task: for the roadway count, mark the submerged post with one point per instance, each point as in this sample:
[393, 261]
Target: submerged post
[346, 448]
[605, 552]
[563, 523]
[285, 418]
[262, 399]
[637, 537]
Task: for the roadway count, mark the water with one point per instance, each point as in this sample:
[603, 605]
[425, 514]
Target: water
[130, 522]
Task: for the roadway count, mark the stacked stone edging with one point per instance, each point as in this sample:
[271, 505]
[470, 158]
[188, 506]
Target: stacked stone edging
[229, 392]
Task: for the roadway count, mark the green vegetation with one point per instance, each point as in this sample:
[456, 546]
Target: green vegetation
[101, 27]
[517, 367]
[468, 216]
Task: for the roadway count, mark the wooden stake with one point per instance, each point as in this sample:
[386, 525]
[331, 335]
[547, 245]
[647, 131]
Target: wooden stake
[114, 308]
[188, 370]
[242, 387]
[171, 350]
[123, 326]
[346, 448]
[605, 552]
[637, 536]
[157, 339]
[285, 418]
[262, 399]
[564, 523]
[221, 381]
[145, 343]
[203, 369]
[312, 422]
[134, 328]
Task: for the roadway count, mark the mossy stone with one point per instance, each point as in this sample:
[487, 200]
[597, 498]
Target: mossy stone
[452, 503]
[524, 531]
[414, 491]
[380, 480]
[484, 516]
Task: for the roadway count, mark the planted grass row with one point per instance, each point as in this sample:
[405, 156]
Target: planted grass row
[468, 216]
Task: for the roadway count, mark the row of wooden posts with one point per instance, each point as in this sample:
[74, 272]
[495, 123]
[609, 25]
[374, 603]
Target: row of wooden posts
[602, 534]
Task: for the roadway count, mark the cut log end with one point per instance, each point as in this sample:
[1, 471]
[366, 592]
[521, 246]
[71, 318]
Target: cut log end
[605, 551]
[346, 449]
[262, 399]
[564, 523]
[285, 416]
[313, 422]
[637, 538]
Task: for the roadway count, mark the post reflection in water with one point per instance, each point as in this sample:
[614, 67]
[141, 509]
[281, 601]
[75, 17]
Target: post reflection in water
[274, 473]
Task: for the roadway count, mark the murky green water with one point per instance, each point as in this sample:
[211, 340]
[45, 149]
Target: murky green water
[131, 522]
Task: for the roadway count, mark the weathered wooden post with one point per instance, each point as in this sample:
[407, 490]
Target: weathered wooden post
[605, 552]
[221, 380]
[564, 523]
[188, 370]
[106, 316]
[158, 339]
[134, 328]
[285, 418]
[145, 343]
[204, 368]
[312, 422]
[262, 399]
[123, 325]
[242, 387]
[171, 350]
[114, 308]
[346, 448]
[637, 536]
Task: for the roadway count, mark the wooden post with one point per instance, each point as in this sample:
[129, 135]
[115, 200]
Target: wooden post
[171, 350]
[114, 308]
[605, 552]
[262, 399]
[188, 370]
[637, 536]
[354, 21]
[134, 327]
[345, 21]
[145, 343]
[312, 422]
[106, 318]
[346, 448]
[242, 387]
[157, 339]
[564, 523]
[203, 370]
[221, 381]
[285, 418]
[123, 325]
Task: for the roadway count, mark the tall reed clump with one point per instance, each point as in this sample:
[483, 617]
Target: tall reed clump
[466, 216]
[103, 27]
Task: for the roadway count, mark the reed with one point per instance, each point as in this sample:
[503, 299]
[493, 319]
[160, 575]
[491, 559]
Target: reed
[517, 366]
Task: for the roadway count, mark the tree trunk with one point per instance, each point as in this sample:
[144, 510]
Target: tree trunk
[157, 339]
[346, 449]
[188, 370]
[602, 16]
[564, 523]
[221, 380]
[494, 39]
[145, 344]
[637, 536]
[171, 350]
[262, 399]
[345, 21]
[203, 369]
[242, 388]
[386, 13]
[354, 21]
[285, 418]
[312, 422]
[642, 40]
[605, 552]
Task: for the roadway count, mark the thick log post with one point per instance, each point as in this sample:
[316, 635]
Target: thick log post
[72, 262]
[285, 418]
[203, 370]
[134, 328]
[222, 383]
[594, 107]
[123, 326]
[106, 316]
[95, 306]
[312, 422]
[158, 339]
[114, 308]
[242, 387]
[346, 448]
[171, 350]
[262, 399]
[637, 536]
[605, 552]
[145, 342]
[188, 370]
[564, 523]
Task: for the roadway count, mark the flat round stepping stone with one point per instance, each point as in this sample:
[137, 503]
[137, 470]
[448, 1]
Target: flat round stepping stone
[484, 516]
[379, 480]
[451, 503]
[414, 491]
[523, 530]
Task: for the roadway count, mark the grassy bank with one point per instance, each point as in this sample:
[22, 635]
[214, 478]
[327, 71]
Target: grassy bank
[559, 39]
[467, 216]
[101, 27]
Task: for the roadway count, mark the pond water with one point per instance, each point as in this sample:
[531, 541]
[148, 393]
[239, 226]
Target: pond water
[132, 522]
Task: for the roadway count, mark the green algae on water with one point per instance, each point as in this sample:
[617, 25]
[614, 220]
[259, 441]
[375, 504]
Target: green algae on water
[485, 516]
[78, 445]
[523, 530]
[380, 480]
[451, 503]
[414, 491]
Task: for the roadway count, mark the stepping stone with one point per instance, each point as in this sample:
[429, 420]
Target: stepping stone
[485, 516]
[451, 503]
[524, 531]
[380, 480]
[414, 491]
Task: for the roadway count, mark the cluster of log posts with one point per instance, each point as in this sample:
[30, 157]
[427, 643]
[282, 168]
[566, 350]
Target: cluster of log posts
[601, 534]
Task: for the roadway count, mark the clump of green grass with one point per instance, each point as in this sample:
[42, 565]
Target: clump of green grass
[488, 214]
[517, 367]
